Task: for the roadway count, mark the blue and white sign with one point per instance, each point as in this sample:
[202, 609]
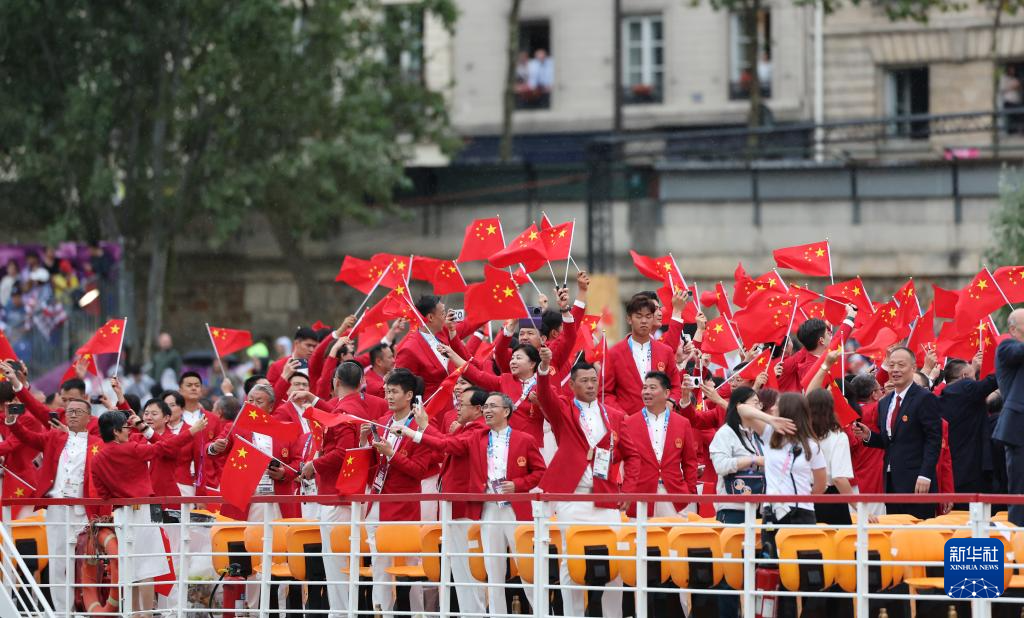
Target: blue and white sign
[974, 568]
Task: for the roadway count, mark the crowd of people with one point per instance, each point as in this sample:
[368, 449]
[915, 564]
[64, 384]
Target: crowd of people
[531, 414]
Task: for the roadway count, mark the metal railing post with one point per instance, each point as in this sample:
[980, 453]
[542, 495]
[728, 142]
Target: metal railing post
[980, 515]
[749, 567]
[641, 560]
[265, 564]
[69, 553]
[355, 561]
[540, 560]
[125, 550]
[861, 556]
[183, 542]
[446, 517]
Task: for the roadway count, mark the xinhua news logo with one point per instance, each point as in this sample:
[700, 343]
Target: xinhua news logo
[974, 568]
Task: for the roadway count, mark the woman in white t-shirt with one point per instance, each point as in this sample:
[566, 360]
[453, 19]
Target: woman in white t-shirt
[793, 463]
[835, 446]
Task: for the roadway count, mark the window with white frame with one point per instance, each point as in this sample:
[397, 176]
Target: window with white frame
[741, 72]
[643, 59]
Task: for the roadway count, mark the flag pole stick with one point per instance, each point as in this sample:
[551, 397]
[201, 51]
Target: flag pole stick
[788, 330]
[785, 287]
[998, 287]
[220, 361]
[604, 361]
[272, 458]
[553, 277]
[568, 257]
[120, 346]
[530, 279]
[18, 478]
[828, 251]
[365, 300]
[678, 270]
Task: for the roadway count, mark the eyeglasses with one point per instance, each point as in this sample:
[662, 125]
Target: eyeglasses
[494, 406]
[75, 411]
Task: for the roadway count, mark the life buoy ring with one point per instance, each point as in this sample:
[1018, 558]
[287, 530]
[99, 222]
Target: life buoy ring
[91, 571]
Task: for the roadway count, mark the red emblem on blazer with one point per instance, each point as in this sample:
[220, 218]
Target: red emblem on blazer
[905, 418]
[284, 452]
[679, 443]
[661, 366]
[521, 461]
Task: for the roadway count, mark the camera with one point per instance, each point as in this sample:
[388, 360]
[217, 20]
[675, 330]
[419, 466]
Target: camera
[16, 409]
[457, 315]
[696, 381]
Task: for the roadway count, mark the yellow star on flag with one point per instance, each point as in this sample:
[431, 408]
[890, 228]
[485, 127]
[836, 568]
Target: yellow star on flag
[820, 252]
[242, 452]
[350, 460]
[115, 329]
[508, 292]
[982, 284]
[19, 492]
[491, 229]
[95, 449]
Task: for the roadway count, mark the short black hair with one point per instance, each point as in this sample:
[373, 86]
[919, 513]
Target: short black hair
[305, 332]
[251, 381]
[952, 370]
[405, 380]
[133, 402]
[377, 350]
[638, 303]
[161, 405]
[109, 422]
[349, 373]
[298, 374]
[73, 384]
[661, 377]
[178, 397]
[530, 352]
[810, 331]
[649, 294]
[478, 396]
[581, 366]
[189, 374]
[550, 320]
[427, 303]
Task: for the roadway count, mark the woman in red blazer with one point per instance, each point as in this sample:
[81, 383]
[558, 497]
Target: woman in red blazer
[622, 380]
[661, 454]
[156, 415]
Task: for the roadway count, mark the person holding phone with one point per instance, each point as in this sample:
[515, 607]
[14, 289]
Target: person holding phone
[419, 352]
[16, 456]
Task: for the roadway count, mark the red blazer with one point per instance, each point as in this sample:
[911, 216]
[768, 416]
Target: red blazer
[678, 465]
[109, 465]
[415, 355]
[408, 467]
[17, 455]
[374, 383]
[209, 466]
[570, 460]
[282, 451]
[455, 468]
[51, 442]
[526, 417]
[868, 463]
[41, 412]
[337, 440]
[622, 383]
[524, 468]
[162, 468]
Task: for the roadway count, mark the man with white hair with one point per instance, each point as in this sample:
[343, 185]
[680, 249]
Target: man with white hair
[1010, 427]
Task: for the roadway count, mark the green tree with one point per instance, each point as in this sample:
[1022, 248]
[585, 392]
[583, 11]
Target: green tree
[205, 112]
[1007, 246]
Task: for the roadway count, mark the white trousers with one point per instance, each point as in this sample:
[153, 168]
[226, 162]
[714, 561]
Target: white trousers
[252, 589]
[498, 534]
[383, 583]
[337, 594]
[573, 600]
[61, 541]
[471, 598]
[547, 450]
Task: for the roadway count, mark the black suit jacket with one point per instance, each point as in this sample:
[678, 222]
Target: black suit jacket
[964, 408]
[913, 449]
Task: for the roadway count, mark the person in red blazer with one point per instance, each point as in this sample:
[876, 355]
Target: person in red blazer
[518, 384]
[382, 361]
[303, 345]
[156, 414]
[400, 467]
[418, 351]
[661, 456]
[635, 356]
[588, 460]
[69, 389]
[195, 471]
[282, 476]
[17, 456]
[501, 461]
[65, 472]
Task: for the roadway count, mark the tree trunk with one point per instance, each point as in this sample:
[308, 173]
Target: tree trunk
[509, 103]
[311, 298]
[754, 119]
[996, 74]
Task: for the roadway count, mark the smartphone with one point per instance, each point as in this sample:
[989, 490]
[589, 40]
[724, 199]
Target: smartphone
[16, 409]
[303, 364]
[54, 418]
[419, 401]
[457, 315]
[374, 433]
[687, 338]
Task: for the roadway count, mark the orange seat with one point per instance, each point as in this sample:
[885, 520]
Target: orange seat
[430, 543]
[731, 540]
[846, 545]
[695, 543]
[793, 543]
[402, 539]
[341, 543]
[578, 539]
[525, 547]
[914, 546]
[302, 540]
[228, 540]
[476, 563]
[278, 547]
[29, 537]
[657, 539]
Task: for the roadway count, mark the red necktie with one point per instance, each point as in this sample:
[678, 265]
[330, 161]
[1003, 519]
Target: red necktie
[895, 411]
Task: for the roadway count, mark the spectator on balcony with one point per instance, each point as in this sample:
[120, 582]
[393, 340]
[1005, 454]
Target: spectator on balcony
[34, 270]
[8, 283]
[541, 77]
[165, 359]
[522, 72]
[1011, 94]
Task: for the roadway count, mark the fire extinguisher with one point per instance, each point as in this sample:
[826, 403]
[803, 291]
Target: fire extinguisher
[234, 590]
[766, 580]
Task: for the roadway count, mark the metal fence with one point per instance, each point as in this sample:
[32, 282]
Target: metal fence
[886, 562]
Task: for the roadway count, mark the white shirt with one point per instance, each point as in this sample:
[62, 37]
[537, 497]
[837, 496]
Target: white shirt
[432, 344]
[175, 429]
[540, 73]
[302, 420]
[265, 445]
[71, 467]
[497, 454]
[191, 417]
[657, 427]
[786, 473]
[641, 356]
[835, 447]
[592, 423]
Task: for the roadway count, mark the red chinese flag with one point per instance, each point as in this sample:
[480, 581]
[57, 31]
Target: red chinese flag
[106, 340]
[718, 337]
[812, 259]
[441, 401]
[758, 364]
[944, 302]
[1011, 281]
[527, 249]
[909, 309]
[850, 291]
[72, 370]
[255, 419]
[977, 300]
[397, 275]
[689, 314]
[594, 353]
[6, 350]
[963, 344]
[327, 419]
[496, 298]
[845, 413]
[743, 287]
[15, 487]
[557, 240]
[242, 473]
[767, 317]
[885, 316]
[228, 341]
[722, 301]
[483, 353]
[659, 269]
[923, 334]
[585, 335]
[482, 240]
[877, 349]
[355, 471]
[443, 275]
[358, 274]
[989, 342]
[835, 371]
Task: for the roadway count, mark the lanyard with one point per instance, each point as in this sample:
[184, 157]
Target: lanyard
[604, 416]
[527, 387]
[490, 447]
[648, 419]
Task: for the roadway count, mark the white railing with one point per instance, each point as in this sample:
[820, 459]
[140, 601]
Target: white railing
[681, 545]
